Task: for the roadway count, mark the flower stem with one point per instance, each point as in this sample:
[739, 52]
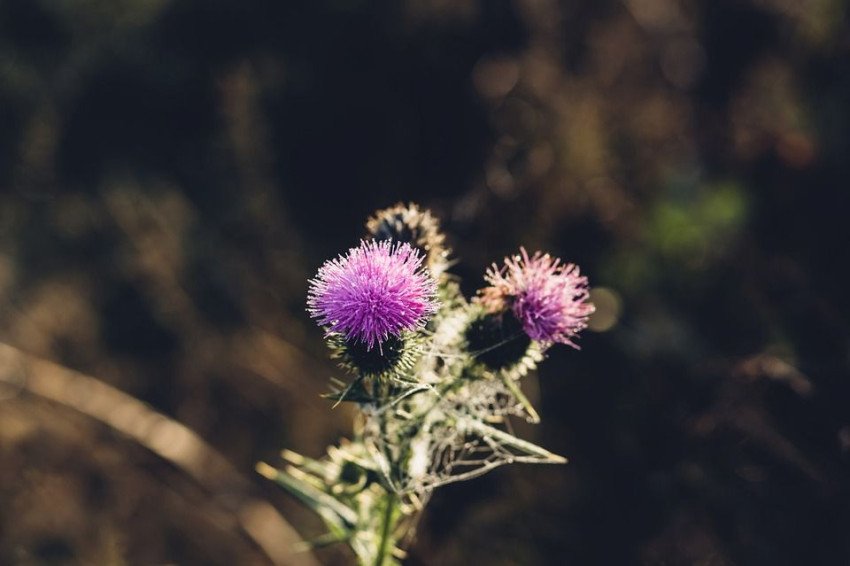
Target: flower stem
[385, 544]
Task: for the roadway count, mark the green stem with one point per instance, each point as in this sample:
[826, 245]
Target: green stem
[385, 543]
[384, 547]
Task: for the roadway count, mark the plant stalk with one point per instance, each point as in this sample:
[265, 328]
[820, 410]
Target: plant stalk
[385, 544]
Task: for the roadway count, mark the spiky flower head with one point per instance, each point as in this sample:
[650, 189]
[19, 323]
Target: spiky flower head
[376, 290]
[418, 227]
[549, 298]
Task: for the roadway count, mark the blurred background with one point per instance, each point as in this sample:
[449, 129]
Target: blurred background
[173, 171]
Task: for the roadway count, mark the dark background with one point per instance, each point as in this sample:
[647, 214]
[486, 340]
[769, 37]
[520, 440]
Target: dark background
[173, 171]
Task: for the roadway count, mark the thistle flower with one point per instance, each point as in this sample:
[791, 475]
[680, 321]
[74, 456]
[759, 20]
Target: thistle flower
[411, 224]
[436, 396]
[375, 291]
[549, 298]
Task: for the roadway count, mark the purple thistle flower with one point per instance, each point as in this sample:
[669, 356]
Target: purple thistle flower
[375, 290]
[548, 297]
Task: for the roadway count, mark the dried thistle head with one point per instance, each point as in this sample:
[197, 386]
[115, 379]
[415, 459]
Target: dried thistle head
[415, 226]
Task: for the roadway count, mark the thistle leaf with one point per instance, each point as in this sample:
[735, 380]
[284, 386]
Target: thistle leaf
[339, 518]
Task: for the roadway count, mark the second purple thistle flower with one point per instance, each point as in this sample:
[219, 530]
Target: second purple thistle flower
[549, 298]
[376, 290]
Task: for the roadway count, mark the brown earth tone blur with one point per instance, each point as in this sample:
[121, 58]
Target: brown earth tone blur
[172, 172]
